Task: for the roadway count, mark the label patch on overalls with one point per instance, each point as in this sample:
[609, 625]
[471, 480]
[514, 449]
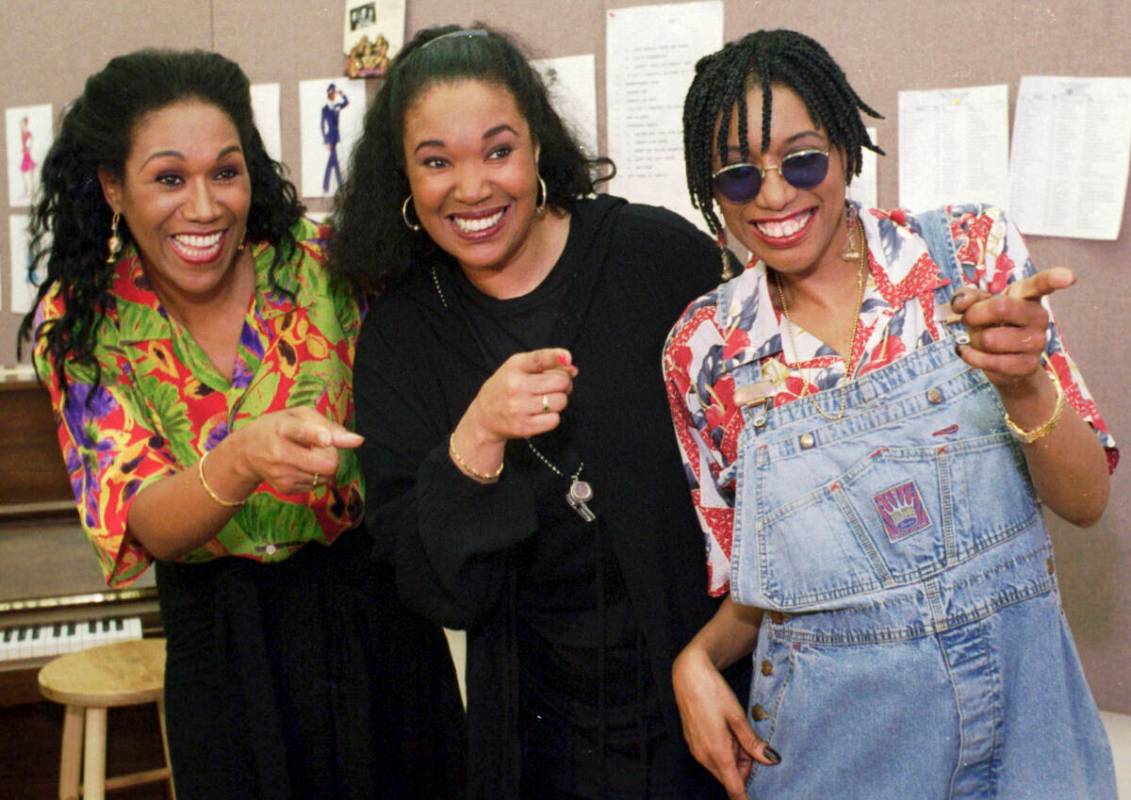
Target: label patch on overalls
[902, 511]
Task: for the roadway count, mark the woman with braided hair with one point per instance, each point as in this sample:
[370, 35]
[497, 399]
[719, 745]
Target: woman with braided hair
[871, 415]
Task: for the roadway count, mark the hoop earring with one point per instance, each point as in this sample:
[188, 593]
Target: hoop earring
[852, 249]
[721, 241]
[404, 214]
[540, 206]
[114, 243]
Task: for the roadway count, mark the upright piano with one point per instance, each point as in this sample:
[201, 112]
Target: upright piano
[53, 598]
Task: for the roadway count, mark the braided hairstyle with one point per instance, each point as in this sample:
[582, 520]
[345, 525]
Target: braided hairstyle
[765, 59]
[70, 222]
[371, 247]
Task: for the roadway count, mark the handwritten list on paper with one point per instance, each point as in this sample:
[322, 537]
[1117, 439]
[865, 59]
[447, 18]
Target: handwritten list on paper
[650, 62]
[1071, 144]
[954, 146]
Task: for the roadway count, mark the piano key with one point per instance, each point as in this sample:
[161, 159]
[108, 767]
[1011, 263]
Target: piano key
[47, 640]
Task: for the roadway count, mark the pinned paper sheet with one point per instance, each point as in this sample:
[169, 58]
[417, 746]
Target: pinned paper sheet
[265, 107]
[649, 63]
[29, 135]
[1071, 140]
[954, 147]
[373, 35]
[333, 110]
[572, 82]
[23, 291]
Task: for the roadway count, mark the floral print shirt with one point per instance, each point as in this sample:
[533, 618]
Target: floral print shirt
[898, 315]
[161, 404]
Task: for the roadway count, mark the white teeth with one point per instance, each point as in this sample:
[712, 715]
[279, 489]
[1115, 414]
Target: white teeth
[779, 230]
[199, 242]
[477, 224]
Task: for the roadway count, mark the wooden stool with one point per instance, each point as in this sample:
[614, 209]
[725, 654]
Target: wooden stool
[89, 682]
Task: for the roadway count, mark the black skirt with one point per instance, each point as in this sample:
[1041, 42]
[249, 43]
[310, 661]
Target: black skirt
[306, 679]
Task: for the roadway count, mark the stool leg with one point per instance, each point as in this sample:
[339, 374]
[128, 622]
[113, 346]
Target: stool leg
[94, 757]
[165, 742]
[70, 762]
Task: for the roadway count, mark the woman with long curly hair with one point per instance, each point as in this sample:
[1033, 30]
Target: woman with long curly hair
[198, 358]
[517, 450]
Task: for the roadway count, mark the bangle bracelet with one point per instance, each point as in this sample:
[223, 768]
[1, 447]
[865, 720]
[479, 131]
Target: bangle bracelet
[215, 497]
[467, 469]
[1043, 430]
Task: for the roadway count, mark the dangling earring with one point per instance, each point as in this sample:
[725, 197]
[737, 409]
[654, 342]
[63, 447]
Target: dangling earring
[114, 243]
[540, 206]
[721, 241]
[404, 214]
[852, 249]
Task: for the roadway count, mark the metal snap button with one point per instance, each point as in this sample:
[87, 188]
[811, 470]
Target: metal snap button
[759, 421]
[807, 441]
[767, 667]
[934, 396]
[759, 713]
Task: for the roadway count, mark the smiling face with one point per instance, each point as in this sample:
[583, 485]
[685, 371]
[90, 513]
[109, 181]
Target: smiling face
[185, 194]
[793, 230]
[472, 165]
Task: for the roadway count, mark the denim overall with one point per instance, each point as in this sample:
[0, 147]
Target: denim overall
[914, 646]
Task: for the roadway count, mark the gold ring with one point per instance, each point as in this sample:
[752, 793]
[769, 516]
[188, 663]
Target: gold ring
[545, 404]
[315, 481]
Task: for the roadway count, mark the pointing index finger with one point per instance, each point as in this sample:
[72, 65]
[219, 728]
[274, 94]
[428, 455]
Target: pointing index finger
[548, 358]
[1043, 283]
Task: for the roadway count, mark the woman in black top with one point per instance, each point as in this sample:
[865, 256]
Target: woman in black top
[518, 457]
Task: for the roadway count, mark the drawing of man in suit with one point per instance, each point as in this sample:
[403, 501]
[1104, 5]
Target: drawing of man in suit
[335, 102]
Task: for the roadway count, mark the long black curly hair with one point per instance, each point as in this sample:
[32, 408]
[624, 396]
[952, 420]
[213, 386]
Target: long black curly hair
[765, 59]
[70, 222]
[371, 247]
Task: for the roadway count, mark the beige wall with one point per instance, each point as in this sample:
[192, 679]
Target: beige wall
[47, 47]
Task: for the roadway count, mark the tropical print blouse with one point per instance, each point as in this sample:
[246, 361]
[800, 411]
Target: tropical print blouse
[161, 404]
[898, 315]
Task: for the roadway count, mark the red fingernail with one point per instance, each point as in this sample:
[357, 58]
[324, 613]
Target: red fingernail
[563, 359]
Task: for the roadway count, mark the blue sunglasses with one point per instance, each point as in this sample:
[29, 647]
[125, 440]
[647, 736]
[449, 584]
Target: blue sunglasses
[740, 183]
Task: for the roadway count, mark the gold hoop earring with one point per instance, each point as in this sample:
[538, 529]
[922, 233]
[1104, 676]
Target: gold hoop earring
[404, 215]
[540, 206]
[114, 243]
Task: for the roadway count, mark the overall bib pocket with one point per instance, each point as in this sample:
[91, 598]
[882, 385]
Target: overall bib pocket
[826, 524]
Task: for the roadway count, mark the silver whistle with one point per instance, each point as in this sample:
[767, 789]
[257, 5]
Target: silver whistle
[578, 497]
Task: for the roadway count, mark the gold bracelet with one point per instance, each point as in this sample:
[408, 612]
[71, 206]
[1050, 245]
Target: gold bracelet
[215, 497]
[1041, 431]
[467, 469]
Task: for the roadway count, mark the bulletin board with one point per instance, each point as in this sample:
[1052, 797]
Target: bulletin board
[47, 47]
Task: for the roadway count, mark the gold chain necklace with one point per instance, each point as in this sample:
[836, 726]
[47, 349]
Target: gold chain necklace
[850, 362]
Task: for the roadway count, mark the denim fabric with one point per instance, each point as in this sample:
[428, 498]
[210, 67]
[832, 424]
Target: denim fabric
[920, 651]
